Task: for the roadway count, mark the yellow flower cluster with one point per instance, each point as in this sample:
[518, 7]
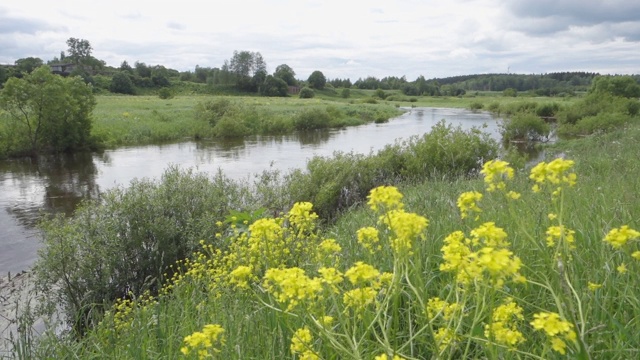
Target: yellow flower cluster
[555, 173]
[301, 344]
[618, 237]
[202, 342]
[406, 227]
[438, 307]
[301, 217]
[368, 281]
[368, 237]
[503, 327]
[559, 234]
[495, 172]
[444, 338]
[241, 276]
[291, 286]
[387, 357]
[385, 198]
[484, 258]
[468, 202]
[557, 330]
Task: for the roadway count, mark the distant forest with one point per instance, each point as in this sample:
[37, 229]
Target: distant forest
[246, 72]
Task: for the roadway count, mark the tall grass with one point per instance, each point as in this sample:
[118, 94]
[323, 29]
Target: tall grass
[579, 277]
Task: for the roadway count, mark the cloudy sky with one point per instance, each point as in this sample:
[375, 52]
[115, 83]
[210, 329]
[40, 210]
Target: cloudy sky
[341, 38]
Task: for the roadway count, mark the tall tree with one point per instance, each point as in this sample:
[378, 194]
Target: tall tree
[317, 80]
[244, 65]
[51, 113]
[79, 50]
[27, 65]
[286, 73]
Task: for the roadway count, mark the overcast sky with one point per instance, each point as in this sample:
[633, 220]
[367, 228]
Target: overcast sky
[341, 38]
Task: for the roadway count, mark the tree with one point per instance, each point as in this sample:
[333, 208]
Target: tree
[286, 73]
[121, 83]
[27, 65]
[160, 76]
[623, 86]
[79, 50]
[317, 80]
[142, 69]
[274, 86]
[51, 113]
[126, 67]
[245, 64]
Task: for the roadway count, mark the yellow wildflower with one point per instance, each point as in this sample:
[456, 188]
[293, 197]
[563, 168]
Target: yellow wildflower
[444, 337]
[331, 277]
[468, 202]
[619, 237]
[406, 227]
[437, 306]
[556, 329]
[385, 198]
[291, 286]
[368, 237]
[358, 299]
[559, 233]
[301, 344]
[503, 327]
[362, 274]
[555, 173]
[636, 255]
[202, 342]
[495, 172]
[593, 286]
[622, 269]
[241, 276]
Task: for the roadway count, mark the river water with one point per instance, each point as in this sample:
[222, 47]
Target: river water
[29, 188]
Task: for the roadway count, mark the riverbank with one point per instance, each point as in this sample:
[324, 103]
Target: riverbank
[16, 292]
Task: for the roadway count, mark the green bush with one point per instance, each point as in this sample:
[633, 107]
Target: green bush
[601, 122]
[166, 93]
[345, 93]
[476, 105]
[213, 110]
[337, 183]
[310, 119]
[547, 109]
[125, 243]
[524, 127]
[307, 93]
[231, 126]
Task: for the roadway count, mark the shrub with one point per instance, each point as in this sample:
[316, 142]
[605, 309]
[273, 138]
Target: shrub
[231, 126]
[510, 92]
[307, 93]
[597, 123]
[476, 105]
[213, 110]
[310, 119]
[124, 244]
[547, 109]
[345, 93]
[524, 126]
[166, 93]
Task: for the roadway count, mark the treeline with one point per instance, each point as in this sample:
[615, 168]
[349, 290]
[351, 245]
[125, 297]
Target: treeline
[246, 72]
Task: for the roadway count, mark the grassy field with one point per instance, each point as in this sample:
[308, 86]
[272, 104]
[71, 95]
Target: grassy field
[526, 274]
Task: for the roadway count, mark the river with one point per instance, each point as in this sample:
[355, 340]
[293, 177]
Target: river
[57, 184]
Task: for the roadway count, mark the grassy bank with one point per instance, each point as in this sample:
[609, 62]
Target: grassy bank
[417, 299]
[136, 120]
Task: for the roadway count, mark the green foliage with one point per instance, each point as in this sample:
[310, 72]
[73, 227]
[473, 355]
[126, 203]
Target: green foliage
[345, 93]
[317, 80]
[166, 93]
[27, 65]
[524, 127]
[213, 110]
[547, 109]
[124, 244]
[380, 94]
[274, 86]
[311, 119]
[476, 105]
[510, 92]
[599, 111]
[306, 93]
[621, 86]
[52, 113]
[121, 83]
[231, 125]
[286, 73]
[337, 183]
